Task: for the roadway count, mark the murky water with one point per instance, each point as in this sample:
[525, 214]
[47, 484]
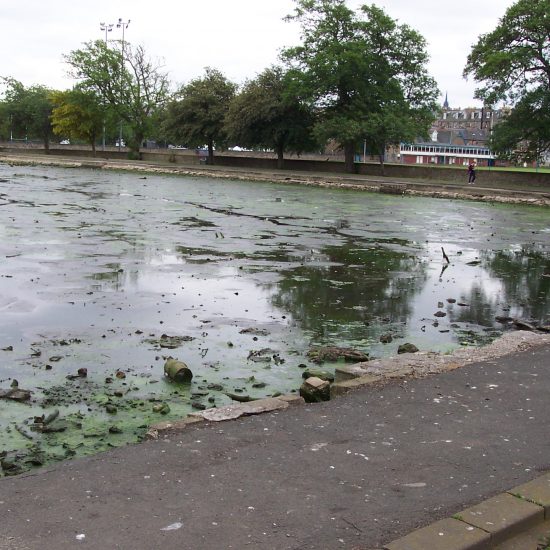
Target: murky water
[97, 266]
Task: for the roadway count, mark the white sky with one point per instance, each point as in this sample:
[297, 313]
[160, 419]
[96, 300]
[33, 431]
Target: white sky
[239, 37]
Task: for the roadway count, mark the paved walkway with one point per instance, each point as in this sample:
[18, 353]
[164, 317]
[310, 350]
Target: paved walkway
[353, 473]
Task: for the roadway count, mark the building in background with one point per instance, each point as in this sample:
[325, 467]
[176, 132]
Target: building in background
[457, 137]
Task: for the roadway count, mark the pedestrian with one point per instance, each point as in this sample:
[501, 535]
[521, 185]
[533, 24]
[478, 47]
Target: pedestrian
[471, 173]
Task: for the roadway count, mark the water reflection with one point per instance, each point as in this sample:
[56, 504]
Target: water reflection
[360, 288]
[525, 289]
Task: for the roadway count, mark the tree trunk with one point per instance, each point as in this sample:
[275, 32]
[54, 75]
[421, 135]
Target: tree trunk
[210, 151]
[47, 145]
[349, 152]
[134, 145]
[382, 165]
[280, 157]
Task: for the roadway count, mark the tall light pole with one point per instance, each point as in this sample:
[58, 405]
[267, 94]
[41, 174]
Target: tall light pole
[107, 27]
[121, 24]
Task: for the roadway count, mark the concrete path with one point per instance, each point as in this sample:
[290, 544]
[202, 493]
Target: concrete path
[354, 473]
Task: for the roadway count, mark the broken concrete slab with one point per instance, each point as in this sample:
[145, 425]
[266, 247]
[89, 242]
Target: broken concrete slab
[231, 412]
[341, 388]
[291, 399]
[349, 372]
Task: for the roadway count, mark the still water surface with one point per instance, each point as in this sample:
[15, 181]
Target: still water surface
[96, 266]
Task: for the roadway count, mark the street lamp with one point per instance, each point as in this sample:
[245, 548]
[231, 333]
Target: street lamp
[107, 27]
[121, 24]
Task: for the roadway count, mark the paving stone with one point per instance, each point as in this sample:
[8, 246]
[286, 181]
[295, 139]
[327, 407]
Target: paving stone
[447, 534]
[341, 388]
[503, 516]
[537, 491]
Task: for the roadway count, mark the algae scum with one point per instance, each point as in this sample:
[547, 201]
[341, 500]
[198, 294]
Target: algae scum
[106, 275]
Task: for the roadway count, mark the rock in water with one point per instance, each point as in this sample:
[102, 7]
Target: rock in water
[407, 348]
[178, 371]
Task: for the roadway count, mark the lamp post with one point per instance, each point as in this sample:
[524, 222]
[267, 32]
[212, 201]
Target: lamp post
[121, 24]
[107, 27]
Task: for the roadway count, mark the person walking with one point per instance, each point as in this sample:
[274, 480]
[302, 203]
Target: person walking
[471, 173]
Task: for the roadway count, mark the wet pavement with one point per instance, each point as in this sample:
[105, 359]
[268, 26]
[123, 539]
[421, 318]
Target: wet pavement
[353, 473]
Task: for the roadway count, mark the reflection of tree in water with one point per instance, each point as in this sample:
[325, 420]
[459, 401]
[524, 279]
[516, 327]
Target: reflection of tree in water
[524, 291]
[360, 287]
[481, 308]
[522, 274]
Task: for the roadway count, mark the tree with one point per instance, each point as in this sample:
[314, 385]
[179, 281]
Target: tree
[366, 74]
[197, 115]
[78, 114]
[265, 114]
[135, 87]
[513, 64]
[29, 110]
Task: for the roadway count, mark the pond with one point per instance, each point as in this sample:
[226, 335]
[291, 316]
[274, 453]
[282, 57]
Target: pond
[105, 275]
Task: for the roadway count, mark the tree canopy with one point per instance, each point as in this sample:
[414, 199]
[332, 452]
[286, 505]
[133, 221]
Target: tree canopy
[197, 114]
[265, 114]
[513, 65]
[78, 114]
[365, 73]
[29, 110]
[133, 85]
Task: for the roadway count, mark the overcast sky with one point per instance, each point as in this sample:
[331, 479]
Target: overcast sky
[239, 37]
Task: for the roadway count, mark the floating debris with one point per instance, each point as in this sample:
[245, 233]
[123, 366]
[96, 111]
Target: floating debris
[178, 371]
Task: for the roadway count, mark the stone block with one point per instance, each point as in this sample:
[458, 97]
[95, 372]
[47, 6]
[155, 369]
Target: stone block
[315, 390]
[341, 388]
[537, 491]
[317, 383]
[447, 534]
[503, 516]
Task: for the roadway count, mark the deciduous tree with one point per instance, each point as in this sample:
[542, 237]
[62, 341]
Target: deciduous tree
[135, 87]
[197, 114]
[29, 110]
[78, 114]
[365, 72]
[513, 65]
[266, 114]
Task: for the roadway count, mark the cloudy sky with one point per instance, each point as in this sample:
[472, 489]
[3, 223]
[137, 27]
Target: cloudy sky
[239, 37]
